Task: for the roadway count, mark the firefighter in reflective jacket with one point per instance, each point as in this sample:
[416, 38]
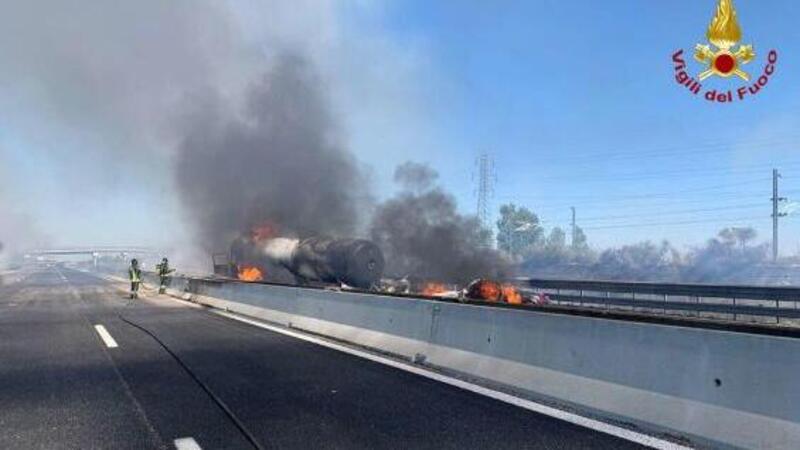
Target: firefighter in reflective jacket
[163, 270]
[135, 275]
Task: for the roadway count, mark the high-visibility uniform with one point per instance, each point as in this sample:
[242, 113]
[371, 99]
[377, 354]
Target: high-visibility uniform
[135, 275]
[163, 271]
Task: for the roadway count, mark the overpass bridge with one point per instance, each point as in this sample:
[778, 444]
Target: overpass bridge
[95, 252]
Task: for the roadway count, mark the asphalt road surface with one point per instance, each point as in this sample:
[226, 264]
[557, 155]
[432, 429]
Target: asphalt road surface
[63, 386]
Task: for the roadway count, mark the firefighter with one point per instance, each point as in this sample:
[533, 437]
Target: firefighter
[163, 270]
[135, 275]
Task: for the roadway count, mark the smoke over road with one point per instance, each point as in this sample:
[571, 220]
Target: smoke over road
[87, 93]
[424, 236]
[18, 230]
[195, 127]
[279, 159]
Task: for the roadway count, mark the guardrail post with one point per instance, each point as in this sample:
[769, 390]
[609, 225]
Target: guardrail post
[435, 310]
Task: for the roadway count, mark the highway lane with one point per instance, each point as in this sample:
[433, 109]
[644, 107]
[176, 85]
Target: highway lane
[61, 386]
[58, 389]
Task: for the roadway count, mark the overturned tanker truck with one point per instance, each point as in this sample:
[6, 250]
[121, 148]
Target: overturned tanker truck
[356, 263]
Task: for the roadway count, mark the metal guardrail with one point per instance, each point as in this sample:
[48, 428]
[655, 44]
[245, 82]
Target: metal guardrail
[737, 302]
[694, 290]
[565, 299]
[722, 302]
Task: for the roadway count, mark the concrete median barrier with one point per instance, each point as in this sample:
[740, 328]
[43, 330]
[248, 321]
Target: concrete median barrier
[714, 387]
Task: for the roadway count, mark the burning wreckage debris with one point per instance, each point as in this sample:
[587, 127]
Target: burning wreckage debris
[350, 263]
[492, 291]
[355, 263]
[481, 289]
[286, 131]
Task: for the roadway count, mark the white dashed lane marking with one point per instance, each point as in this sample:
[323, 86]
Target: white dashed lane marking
[105, 336]
[186, 443]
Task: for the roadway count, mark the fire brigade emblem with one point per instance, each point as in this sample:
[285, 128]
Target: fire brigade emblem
[724, 34]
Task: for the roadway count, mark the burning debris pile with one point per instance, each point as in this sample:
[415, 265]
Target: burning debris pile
[277, 168]
[492, 291]
[432, 289]
[481, 290]
[350, 263]
[355, 263]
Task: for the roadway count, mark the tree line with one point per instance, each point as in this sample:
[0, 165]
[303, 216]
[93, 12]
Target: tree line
[733, 255]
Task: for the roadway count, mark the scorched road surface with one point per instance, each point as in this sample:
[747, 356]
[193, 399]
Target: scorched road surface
[64, 384]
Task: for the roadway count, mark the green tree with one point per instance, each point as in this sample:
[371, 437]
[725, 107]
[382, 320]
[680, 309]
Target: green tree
[580, 244]
[740, 235]
[518, 230]
[579, 248]
[556, 241]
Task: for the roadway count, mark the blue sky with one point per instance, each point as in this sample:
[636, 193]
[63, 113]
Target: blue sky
[575, 101]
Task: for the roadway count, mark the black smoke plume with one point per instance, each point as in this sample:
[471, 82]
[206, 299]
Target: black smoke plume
[423, 235]
[278, 160]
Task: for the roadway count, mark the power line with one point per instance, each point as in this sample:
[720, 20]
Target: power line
[776, 215]
[709, 193]
[607, 198]
[604, 177]
[663, 224]
[699, 149]
[672, 213]
[657, 204]
[685, 172]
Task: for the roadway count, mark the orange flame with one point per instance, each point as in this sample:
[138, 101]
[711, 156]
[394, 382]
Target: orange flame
[433, 288]
[250, 273]
[490, 291]
[511, 295]
[494, 292]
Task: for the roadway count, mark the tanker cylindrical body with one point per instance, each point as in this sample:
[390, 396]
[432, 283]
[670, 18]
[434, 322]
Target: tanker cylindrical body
[354, 262]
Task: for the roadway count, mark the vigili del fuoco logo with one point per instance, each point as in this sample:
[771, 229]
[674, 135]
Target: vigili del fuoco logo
[724, 56]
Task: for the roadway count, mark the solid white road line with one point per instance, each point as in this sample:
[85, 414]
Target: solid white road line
[186, 443]
[109, 341]
[596, 425]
